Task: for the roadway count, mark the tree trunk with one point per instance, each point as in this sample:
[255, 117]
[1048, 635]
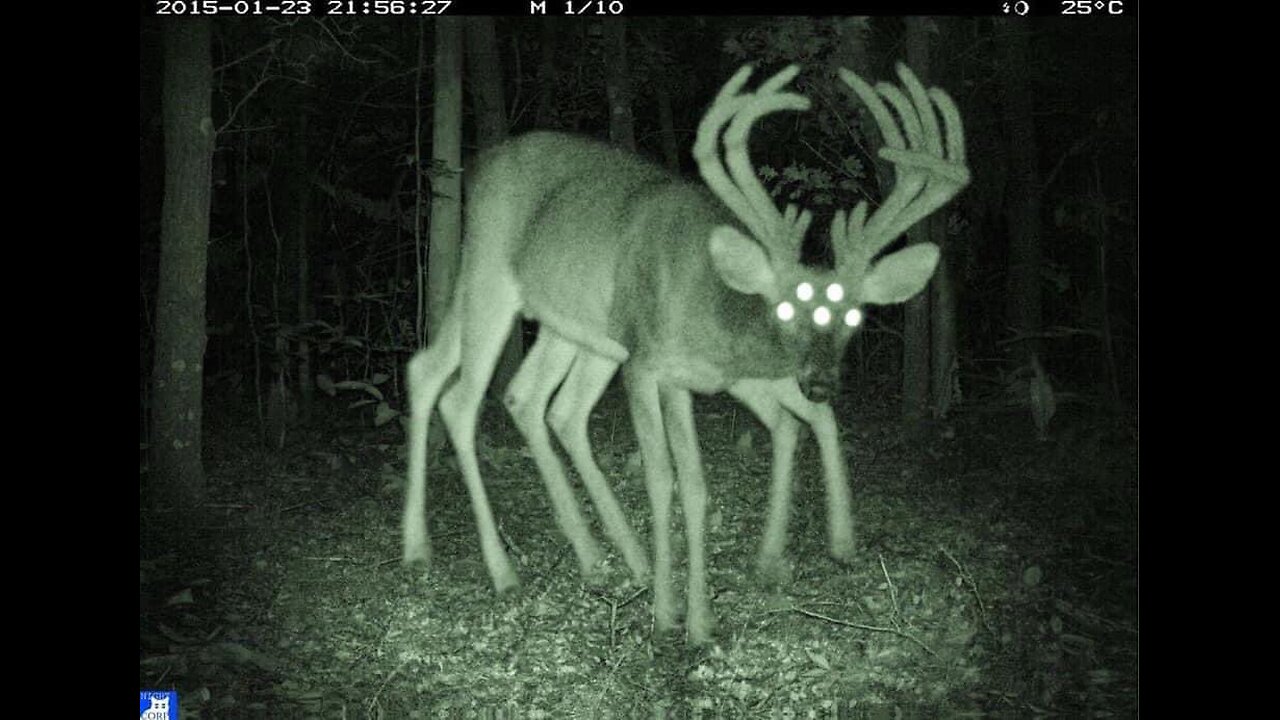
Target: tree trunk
[446, 182]
[1025, 194]
[300, 184]
[485, 73]
[622, 130]
[177, 400]
[546, 73]
[942, 323]
[943, 327]
[915, 326]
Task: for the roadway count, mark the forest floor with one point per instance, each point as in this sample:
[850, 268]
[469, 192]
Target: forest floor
[998, 577]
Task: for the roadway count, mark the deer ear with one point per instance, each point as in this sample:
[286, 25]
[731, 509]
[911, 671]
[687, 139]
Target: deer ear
[898, 277]
[741, 262]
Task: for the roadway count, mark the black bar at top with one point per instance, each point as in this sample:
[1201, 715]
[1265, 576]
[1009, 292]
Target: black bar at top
[1083, 10]
[759, 8]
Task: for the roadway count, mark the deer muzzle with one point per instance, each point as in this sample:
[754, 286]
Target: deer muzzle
[820, 385]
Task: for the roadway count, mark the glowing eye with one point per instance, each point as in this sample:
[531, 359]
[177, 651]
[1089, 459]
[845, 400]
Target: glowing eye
[853, 318]
[835, 293]
[786, 311]
[821, 316]
[804, 291]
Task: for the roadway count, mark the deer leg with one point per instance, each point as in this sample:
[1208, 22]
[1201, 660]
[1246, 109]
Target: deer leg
[570, 412]
[677, 410]
[490, 309]
[526, 398]
[426, 375]
[758, 397]
[835, 472]
[646, 416]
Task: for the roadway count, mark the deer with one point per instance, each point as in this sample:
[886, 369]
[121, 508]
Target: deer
[694, 289]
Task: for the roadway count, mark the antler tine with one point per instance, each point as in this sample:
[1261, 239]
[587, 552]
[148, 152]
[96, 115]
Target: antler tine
[955, 135]
[706, 147]
[844, 228]
[856, 246]
[945, 175]
[910, 181]
[777, 235]
[743, 194]
[795, 224]
[929, 171]
[926, 120]
[839, 232]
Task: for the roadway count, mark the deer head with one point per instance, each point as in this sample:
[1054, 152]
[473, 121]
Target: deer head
[815, 312]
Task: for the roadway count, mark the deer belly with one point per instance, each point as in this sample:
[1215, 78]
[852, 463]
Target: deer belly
[577, 306]
[692, 374]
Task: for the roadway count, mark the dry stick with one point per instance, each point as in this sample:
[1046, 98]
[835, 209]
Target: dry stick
[299, 506]
[773, 690]
[1087, 553]
[506, 539]
[967, 578]
[328, 31]
[613, 670]
[248, 289]
[419, 327]
[228, 65]
[386, 682]
[893, 597]
[262, 80]
[614, 606]
[893, 591]
[895, 630]
[860, 626]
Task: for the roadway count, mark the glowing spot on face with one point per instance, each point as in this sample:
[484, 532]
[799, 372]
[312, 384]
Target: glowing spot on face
[821, 316]
[853, 318]
[786, 311]
[835, 293]
[804, 291]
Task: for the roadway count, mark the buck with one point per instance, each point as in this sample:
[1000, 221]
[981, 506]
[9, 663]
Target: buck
[695, 289]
